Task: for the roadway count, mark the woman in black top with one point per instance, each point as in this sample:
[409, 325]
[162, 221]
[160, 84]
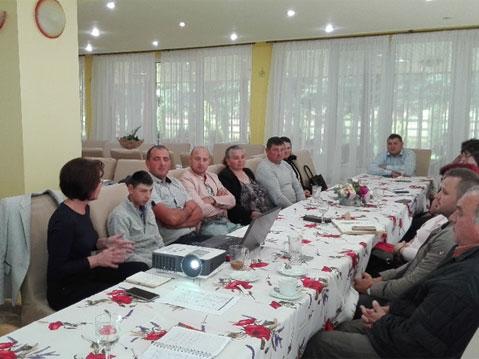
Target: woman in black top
[73, 272]
[290, 158]
[252, 200]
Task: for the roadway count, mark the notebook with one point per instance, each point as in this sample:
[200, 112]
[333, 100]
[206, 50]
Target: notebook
[357, 226]
[254, 236]
[185, 343]
[147, 279]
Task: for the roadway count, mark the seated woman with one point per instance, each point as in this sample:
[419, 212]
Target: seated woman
[252, 200]
[73, 272]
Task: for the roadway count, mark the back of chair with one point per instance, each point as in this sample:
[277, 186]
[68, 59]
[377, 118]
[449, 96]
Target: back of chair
[216, 168]
[304, 158]
[34, 287]
[109, 198]
[219, 152]
[252, 150]
[125, 168]
[109, 165]
[423, 158]
[120, 153]
[252, 163]
[92, 152]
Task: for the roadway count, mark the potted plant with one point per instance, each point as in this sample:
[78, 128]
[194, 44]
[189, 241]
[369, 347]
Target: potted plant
[131, 140]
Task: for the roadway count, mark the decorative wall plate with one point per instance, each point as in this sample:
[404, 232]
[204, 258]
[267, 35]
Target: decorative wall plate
[50, 18]
[3, 18]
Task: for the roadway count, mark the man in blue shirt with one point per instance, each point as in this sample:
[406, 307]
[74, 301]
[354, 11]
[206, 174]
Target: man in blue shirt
[397, 161]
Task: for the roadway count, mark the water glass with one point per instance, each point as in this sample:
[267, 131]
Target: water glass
[294, 248]
[239, 257]
[316, 193]
[323, 207]
[107, 329]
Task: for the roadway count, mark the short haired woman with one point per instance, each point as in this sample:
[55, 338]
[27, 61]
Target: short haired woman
[252, 200]
[74, 273]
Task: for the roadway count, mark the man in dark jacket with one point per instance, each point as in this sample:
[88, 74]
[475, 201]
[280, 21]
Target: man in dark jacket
[434, 319]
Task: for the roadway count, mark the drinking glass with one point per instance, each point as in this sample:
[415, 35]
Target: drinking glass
[378, 194]
[323, 207]
[107, 329]
[316, 193]
[294, 248]
[239, 257]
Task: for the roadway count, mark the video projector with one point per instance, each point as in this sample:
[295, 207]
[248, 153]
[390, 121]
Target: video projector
[169, 258]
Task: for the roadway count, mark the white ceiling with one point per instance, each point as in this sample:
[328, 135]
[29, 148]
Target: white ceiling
[134, 24]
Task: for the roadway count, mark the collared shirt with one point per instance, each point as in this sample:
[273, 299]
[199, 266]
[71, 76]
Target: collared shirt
[208, 185]
[385, 163]
[171, 193]
[280, 181]
[137, 225]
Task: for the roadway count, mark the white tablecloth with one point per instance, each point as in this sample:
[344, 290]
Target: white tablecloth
[260, 326]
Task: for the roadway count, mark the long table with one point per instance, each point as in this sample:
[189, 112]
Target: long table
[260, 326]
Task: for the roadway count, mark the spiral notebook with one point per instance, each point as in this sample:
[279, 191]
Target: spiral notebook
[187, 344]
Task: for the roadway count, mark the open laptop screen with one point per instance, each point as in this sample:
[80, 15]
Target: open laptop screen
[259, 228]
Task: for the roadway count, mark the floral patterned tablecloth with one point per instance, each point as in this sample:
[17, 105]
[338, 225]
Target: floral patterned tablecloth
[260, 326]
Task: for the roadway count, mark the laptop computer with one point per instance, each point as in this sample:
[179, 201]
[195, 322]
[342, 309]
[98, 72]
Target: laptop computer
[254, 236]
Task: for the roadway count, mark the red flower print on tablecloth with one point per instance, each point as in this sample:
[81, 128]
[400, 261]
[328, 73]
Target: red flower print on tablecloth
[55, 325]
[266, 331]
[120, 297]
[353, 255]
[312, 284]
[235, 284]
[150, 332]
[363, 244]
[326, 269]
[99, 356]
[258, 264]
[384, 237]
[13, 349]
[393, 219]
[329, 235]
[328, 326]
[274, 304]
[310, 225]
[305, 241]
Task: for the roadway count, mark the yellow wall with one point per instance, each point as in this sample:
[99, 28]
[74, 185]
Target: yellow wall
[259, 90]
[45, 128]
[11, 149]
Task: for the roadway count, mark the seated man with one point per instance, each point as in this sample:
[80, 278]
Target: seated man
[397, 161]
[278, 177]
[135, 220]
[209, 193]
[394, 282]
[176, 213]
[436, 318]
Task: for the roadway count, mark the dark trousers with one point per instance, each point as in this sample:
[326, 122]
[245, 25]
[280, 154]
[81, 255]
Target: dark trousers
[95, 280]
[349, 340]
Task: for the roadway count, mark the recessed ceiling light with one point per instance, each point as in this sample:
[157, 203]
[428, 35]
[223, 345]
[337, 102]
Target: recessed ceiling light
[110, 5]
[234, 36]
[95, 32]
[182, 24]
[89, 48]
[155, 43]
[329, 28]
[291, 13]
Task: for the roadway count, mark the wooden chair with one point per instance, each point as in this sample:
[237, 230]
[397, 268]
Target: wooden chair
[423, 158]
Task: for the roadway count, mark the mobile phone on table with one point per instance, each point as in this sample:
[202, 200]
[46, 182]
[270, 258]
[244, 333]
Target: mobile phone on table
[141, 293]
[316, 219]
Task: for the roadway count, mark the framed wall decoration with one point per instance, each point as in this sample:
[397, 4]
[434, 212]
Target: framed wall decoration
[50, 18]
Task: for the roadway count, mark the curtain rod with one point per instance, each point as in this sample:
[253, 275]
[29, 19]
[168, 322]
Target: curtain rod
[371, 34]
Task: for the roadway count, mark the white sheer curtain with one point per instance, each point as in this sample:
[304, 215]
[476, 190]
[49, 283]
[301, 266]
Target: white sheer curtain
[341, 98]
[81, 61]
[123, 96]
[203, 95]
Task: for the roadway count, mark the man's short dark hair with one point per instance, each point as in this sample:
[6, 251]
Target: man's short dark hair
[393, 136]
[471, 145]
[156, 147]
[80, 177]
[274, 141]
[139, 177]
[467, 179]
[285, 139]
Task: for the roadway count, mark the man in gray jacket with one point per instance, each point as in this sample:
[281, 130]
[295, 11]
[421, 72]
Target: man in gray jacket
[278, 177]
[392, 283]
